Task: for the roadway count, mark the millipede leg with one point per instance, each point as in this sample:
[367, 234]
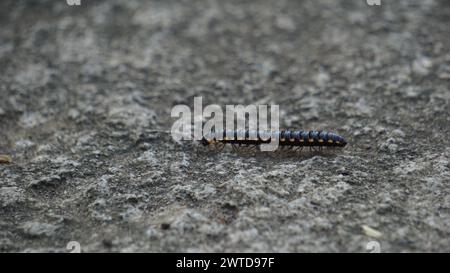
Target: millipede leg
[222, 146]
[290, 149]
[245, 149]
[219, 146]
[235, 149]
[253, 148]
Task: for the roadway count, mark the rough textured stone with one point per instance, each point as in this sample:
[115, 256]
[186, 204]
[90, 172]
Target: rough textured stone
[11, 196]
[84, 91]
[36, 229]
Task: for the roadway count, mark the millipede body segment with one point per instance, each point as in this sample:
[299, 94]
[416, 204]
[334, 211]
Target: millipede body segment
[285, 137]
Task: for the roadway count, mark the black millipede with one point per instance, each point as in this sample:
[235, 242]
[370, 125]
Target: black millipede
[286, 138]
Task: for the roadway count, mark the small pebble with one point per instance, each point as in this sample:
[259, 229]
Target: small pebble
[5, 159]
[165, 226]
[371, 232]
[37, 229]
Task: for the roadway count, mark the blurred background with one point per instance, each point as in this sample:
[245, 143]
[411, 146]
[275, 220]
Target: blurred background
[84, 87]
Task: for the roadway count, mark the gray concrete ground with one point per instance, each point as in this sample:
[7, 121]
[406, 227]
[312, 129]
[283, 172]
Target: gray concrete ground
[83, 89]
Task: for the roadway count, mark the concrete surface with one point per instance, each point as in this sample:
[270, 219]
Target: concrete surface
[84, 88]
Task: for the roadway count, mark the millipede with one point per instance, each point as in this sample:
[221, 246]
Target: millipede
[290, 139]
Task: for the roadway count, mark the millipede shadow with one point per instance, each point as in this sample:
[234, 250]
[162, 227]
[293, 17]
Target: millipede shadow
[277, 154]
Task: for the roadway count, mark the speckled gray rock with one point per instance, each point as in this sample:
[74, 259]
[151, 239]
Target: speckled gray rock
[84, 91]
[36, 229]
[10, 196]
